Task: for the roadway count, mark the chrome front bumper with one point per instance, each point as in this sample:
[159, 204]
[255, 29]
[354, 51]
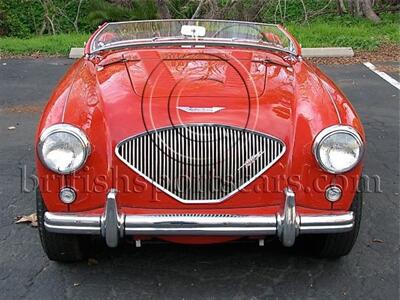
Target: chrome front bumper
[113, 226]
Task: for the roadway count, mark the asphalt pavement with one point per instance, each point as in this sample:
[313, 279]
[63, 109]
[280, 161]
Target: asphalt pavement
[239, 270]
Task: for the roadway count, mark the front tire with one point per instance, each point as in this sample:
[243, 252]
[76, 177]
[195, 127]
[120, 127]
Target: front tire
[58, 247]
[339, 244]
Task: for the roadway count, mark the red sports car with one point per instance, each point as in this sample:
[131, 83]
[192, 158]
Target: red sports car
[197, 131]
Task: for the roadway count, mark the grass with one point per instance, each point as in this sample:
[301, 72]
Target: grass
[323, 32]
[45, 45]
[346, 32]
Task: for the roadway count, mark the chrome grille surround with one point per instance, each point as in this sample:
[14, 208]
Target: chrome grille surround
[200, 159]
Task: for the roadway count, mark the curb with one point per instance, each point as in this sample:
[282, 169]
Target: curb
[307, 52]
[76, 53]
[328, 52]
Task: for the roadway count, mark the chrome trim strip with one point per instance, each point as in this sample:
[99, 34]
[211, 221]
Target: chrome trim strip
[332, 101]
[193, 109]
[181, 42]
[196, 20]
[218, 126]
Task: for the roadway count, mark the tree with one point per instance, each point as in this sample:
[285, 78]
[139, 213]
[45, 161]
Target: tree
[163, 10]
[48, 17]
[102, 11]
[368, 12]
[74, 21]
[341, 7]
[251, 10]
[363, 8]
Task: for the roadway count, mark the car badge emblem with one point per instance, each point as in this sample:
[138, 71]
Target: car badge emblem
[251, 160]
[191, 109]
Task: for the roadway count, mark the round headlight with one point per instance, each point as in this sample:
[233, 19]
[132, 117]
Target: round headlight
[63, 148]
[338, 149]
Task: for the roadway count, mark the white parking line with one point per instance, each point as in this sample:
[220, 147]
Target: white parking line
[383, 75]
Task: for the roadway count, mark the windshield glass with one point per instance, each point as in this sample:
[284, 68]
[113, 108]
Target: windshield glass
[168, 32]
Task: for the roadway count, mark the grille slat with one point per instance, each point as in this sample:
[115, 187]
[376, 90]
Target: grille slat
[200, 163]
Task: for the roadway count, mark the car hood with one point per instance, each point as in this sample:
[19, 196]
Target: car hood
[162, 88]
[149, 89]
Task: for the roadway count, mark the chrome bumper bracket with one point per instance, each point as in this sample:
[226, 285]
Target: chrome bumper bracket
[288, 224]
[112, 225]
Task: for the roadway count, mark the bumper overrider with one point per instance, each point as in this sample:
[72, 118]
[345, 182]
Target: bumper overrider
[112, 225]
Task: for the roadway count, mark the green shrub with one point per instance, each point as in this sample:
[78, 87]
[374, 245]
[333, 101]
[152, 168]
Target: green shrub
[17, 18]
[102, 11]
[23, 18]
[293, 11]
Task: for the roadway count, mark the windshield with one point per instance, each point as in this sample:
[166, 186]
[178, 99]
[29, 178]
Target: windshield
[191, 32]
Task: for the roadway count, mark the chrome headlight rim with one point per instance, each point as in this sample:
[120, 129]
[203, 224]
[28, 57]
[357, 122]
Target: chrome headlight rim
[329, 131]
[69, 129]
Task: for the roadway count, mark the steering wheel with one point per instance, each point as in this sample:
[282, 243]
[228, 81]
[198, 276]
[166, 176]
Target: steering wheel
[235, 25]
[264, 35]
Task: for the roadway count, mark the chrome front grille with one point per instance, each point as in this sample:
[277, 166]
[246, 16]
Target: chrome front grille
[200, 163]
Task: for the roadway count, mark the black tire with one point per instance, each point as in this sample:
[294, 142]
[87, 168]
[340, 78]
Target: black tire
[339, 244]
[58, 247]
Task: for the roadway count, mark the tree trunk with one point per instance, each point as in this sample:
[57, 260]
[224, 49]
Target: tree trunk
[351, 7]
[341, 7]
[75, 23]
[305, 11]
[51, 22]
[198, 9]
[357, 8]
[368, 12]
[163, 10]
[43, 28]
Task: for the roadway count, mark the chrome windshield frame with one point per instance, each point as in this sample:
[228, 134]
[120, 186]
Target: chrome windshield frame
[151, 42]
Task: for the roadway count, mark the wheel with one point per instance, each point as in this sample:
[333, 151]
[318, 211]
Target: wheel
[339, 244]
[58, 247]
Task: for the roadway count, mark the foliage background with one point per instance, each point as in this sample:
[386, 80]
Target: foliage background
[53, 26]
[24, 18]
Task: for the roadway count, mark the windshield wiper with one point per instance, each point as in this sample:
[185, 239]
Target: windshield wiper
[123, 58]
[275, 62]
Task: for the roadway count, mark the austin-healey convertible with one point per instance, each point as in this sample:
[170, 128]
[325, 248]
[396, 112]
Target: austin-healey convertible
[197, 131]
